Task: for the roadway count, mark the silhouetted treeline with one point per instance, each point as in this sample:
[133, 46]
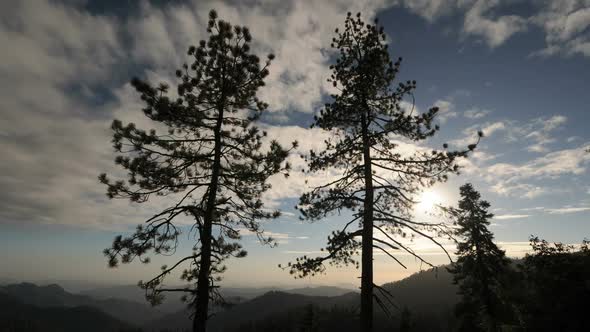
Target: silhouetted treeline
[555, 287]
[546, 291]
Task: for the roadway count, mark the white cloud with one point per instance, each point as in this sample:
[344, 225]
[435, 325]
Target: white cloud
[539, 132]
[56, 140]
[482, 156]
[553, 122]
[520, 179]
[536, 208]
[281, 238]
[445, 110]
[510, 179]
[567, 210]
[470, 134]
[551, 165]
[430, 9]
[508, 188]
[565, 23]
[53, 142]
[293, 186]
[58, 59]
[494, 31]
[492, 128]
[475, 113]
[511, 216]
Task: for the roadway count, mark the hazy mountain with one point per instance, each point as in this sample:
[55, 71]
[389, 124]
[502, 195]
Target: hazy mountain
[133, 293]
[272, 303]
[173, 303]
[320, 291]
[55, 296]
[429, 291]
[18, 316]
[71, 286]
[6, 281]
[259, 308]
[428, 294]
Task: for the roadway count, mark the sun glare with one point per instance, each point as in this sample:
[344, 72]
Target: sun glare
[428, 200]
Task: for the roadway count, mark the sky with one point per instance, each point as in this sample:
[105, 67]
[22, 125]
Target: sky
[518, 70]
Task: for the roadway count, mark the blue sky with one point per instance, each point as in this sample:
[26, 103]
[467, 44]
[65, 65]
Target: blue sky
[518, 70]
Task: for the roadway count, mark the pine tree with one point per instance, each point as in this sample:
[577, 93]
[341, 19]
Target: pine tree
[211, 164]
[480, 267]
[376, 181]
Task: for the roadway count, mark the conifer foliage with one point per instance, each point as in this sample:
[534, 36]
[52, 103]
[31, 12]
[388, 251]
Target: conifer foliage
[376, 181]
[481, 265]
[212, 165]
[556, 286]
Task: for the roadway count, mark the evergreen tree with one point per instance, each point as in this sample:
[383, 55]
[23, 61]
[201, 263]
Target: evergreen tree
[377, 182]
[481, 265]
[556, 286]
[211, 165]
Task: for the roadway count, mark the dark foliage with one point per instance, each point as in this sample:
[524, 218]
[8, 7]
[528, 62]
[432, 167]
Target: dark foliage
[481, 266]
[556, 287]
[376, 181]
[211, 164]
[307, 318]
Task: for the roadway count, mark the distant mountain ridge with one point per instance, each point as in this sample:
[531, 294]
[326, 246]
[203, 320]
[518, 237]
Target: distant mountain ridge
[320, 291]
[275, 302]
[232, 294]
[52, 296]
[18, 316]
[134, 293]
[428, 291]
[258, 308]
[430, 296]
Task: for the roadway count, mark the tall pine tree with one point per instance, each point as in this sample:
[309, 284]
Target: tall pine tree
[376, 181]
[211, 164]
[481, 265]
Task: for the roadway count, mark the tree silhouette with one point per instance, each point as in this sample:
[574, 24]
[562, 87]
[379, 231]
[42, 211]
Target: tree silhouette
[376, 180]
[212, 165]
[480, 267]
[556, 286]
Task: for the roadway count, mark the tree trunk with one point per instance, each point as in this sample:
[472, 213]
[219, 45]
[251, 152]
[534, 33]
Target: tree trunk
[203, 286]
[202, 300]
[367, 237]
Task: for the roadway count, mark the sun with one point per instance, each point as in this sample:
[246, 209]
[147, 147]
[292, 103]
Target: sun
[428, 200]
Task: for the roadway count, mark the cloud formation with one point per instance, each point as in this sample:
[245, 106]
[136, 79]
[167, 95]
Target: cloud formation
[62, 85]
[63, 71]
[511, 216]
[475, 113]
[493, 30]
[565, 23]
